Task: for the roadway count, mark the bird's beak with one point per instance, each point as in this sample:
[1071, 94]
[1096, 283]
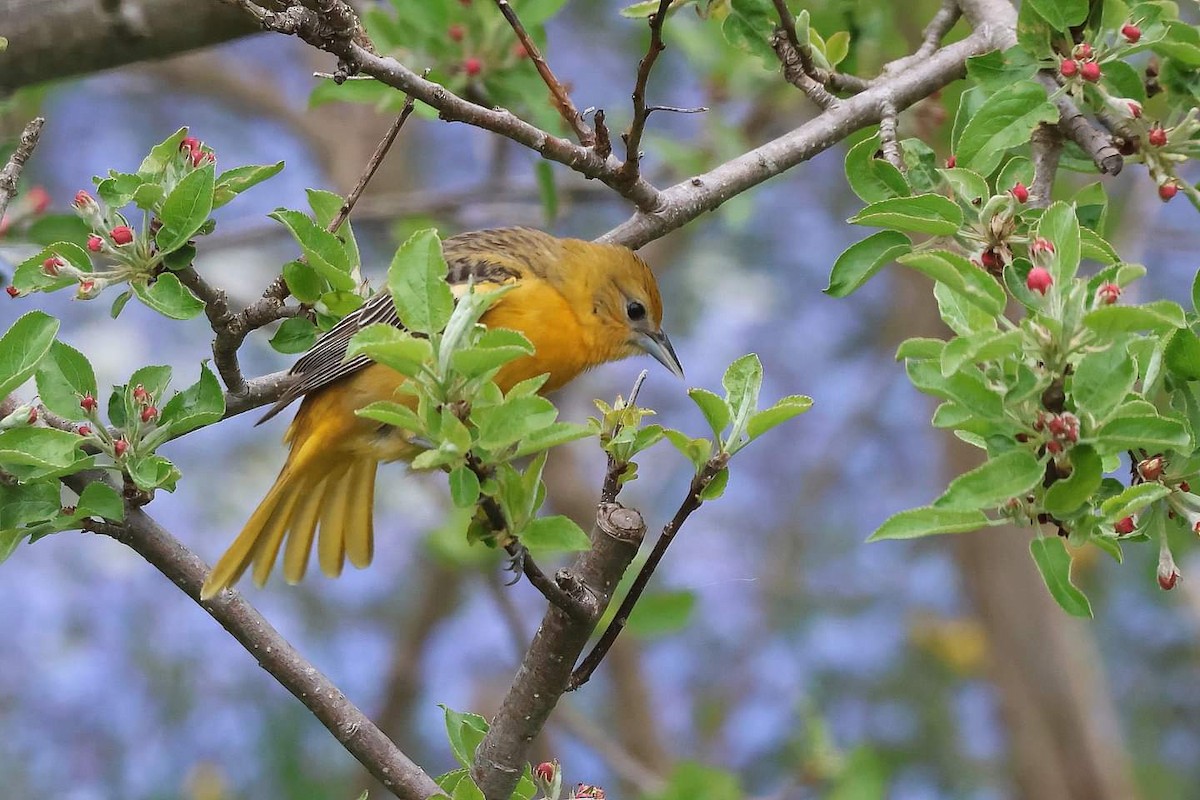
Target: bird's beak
[657, 344]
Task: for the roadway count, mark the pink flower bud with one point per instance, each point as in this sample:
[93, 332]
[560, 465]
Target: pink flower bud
[1069, 68]
[83, 199]
[12, 292]
[121, 235]
[456, 32]
[1167, 191]
[94, 243]
[951, 161]
[1168, 573]
[88, 403]
[1090, 72]
[140, 395]
[119, 447]
[1041, 247]
[33, 416]
[545, 771]
[473, 66]
[1082, 51]
[51, 266]
[85, 430]
[189, 143]
[39, 199]
[149, 414]
[1151, 469]
[1020, 192]
[1124, 526]
[1157, 137]
[1131, 32]
[1108, 294]
[1039, 280]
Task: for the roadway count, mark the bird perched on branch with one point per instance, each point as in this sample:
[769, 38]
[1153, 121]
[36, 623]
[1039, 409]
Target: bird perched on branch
[581, 304]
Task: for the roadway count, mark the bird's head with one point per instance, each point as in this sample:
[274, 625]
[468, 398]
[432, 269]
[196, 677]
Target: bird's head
[621, 296]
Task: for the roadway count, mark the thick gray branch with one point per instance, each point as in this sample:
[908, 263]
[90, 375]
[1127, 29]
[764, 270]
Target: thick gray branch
[53, 39]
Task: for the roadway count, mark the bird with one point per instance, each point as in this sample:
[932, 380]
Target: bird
[580, 304]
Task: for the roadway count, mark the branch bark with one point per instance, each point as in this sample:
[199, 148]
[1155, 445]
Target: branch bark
[101, 35]
[11, 172]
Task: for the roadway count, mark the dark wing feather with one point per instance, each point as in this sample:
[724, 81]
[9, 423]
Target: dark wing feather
[476, 256]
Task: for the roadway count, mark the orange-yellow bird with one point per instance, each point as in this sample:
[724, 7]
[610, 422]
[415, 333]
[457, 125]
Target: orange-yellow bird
[581, 304]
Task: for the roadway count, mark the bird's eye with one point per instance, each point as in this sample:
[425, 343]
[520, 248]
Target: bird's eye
[636, 311]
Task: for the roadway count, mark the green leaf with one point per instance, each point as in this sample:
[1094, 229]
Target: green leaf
[505, 424]
[995, 70]
[100, 500]
[465, 731]
[322, 250]
[202, 403]
[1102, 380]
[63, 378]
[742, 382]
[966, 387]
[30, 277]
[185, 209]
[23, 504]
[873, 179]
[494, 348]
[715, 410]
[716, 487]
[295, 335]
[1145, 432]
[554, 535]
[168, 297]
[155, 163]
[1159, 316]
[43, 448]
[395, 414]
[1053, 561]
[417, 281]
[997, 480]
[22, 348]
[660, 613]
[927, 521]
[1132, 500]
[551, 436]
[785, 409]
[920, 348]
[1182, 354]
[388, 345]
[861, 260]
[464, 487]
[1058, 225]
[1006, 119]
[925, 213]
[152, 472]
[960, 276]
[303, 282]
[1067, 494]
[233, 182]
[1061, 14]
[697, 451]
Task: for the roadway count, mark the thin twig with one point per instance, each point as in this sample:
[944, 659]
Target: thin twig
[562, 100]
[1046, 143]
[888, 138]
[373, 163]
[677, 109]
[795, 74]
[938, 27]
[631, 169]
[16, 162]
[693, 500]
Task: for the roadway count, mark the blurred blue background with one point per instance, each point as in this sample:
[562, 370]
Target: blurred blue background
[808, 653]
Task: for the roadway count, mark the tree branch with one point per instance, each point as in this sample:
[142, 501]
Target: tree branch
[16, 162]
[101, 35]
[562, 99]
[546, 666]
[337, 713]
[631, 170]
[691, 502]
[1046, 143]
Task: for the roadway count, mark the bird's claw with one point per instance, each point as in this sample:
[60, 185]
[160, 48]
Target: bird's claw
[517, 553]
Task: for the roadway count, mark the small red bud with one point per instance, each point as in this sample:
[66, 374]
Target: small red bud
[1022, 437]
[189, 143]
[82, 199]
[1039, 280]
[39, 199]
[1108, 294]
[33, 416]
[85, 430]
[1020, 191]
[1069, 68]
[545, 771]
[12, 291]
[1168, 579]
[1184, 486]
[991, 260]
[88, 403]
[1157, 136]
[86, 286]
[5, 223]
[1090, 72]
[1131, 32]
[473, 66]
[1124, 526]
[94, 243]
[122, 234]
[119, 447]
[1041, 246]
[456, 33]
[51, 266]
[149, 413]
[1135, 109]
[1054, 447]
[1167, 191]
[951, 161]
[140, 395]
[1083, 51]
[519, 50]
[1151, 468]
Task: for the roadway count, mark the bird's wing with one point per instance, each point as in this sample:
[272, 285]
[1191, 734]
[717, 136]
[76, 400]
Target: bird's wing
[326, 362]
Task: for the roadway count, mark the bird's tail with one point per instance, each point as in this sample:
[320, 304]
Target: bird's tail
[317, 487]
